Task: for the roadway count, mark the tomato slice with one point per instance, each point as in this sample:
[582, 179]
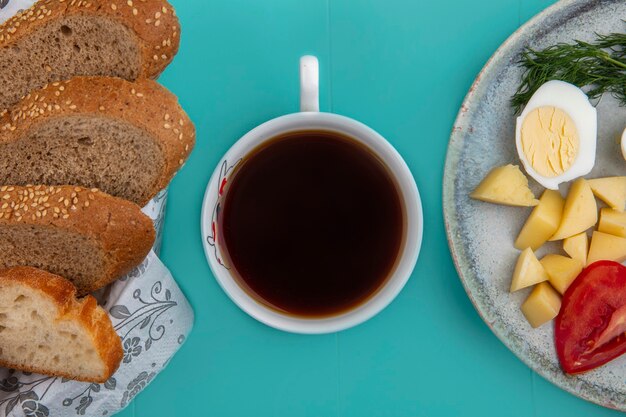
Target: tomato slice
[590, 328]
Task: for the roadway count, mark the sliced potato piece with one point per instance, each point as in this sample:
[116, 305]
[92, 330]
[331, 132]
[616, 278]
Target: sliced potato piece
[505, 185]
[542, 222]
[611, 190]
[580, 211]
[542, 305]
[612, 222]
[561, 270]
[606, 247]
[577, 247]
[528, 271]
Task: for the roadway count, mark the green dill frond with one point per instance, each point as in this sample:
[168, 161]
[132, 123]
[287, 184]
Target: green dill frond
[600, 66]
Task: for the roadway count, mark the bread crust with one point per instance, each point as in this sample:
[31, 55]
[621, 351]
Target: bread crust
[144, 104]
[117, 226]
[85, 311]
[154, 22]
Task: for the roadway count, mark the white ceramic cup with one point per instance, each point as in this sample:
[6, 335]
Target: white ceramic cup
[310, 118]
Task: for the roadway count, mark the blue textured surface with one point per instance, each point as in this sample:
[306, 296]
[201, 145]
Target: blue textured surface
[403, 67]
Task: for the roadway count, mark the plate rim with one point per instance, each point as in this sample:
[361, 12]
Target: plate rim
[450, 212]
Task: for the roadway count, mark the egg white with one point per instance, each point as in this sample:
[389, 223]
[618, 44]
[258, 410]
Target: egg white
[624, 144]
[573, 101]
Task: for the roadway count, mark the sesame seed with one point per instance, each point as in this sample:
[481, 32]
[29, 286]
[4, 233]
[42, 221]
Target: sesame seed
[135, 12]
[101, 108]
[113, 6]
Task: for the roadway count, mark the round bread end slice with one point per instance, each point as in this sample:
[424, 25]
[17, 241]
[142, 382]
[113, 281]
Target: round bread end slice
[127, 139]
[46, 330]
[84, 235]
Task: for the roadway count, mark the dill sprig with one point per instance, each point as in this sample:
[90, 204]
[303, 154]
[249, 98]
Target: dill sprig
[600, 66]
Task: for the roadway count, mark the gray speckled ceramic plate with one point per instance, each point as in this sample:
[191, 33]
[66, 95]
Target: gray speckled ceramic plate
[481, 235]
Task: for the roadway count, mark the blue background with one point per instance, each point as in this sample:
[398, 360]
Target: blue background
[402, 67]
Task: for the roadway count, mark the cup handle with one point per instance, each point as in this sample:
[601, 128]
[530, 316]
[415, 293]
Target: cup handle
[309, 84]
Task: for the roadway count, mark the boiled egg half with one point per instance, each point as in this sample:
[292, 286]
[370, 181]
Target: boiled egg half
[556, 134]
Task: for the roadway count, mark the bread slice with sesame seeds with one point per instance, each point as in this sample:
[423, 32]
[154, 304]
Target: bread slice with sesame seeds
[46, 330]
[127, 139]
[55, 40]
[86, 236]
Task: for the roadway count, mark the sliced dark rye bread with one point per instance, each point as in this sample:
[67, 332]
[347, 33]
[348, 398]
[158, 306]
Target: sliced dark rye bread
[86, 236]
[58, 39]
[127, 139]
[45, 329]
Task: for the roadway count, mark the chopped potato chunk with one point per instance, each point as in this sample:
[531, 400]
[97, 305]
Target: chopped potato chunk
[542, 222]
[606, 247]
[542, 305]
[561, 270]
[528, 271]
[580, 211]
[577, 247]
[612, 222]
[611, 190]
[505, 185]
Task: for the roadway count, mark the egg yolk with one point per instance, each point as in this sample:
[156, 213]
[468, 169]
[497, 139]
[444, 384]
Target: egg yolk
[549, 141]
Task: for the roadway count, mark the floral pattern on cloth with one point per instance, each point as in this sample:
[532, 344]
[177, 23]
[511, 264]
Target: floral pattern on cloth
[153, 318]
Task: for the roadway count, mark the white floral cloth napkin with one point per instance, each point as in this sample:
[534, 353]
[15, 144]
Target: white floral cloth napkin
[153, 318]
[149, 312]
